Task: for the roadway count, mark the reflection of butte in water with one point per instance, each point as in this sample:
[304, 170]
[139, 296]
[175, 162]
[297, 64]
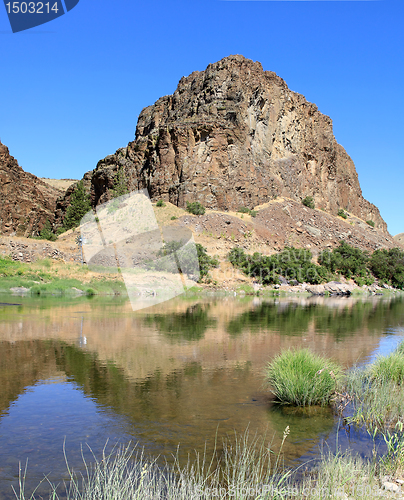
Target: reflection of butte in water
[164, 383]
[234, 332]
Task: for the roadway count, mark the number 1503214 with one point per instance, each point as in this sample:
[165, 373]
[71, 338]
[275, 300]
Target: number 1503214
[31, 7]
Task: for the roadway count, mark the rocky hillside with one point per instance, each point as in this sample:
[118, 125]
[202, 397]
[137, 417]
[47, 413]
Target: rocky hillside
[280, 223]
[399, 238]
[235, 135]
[26, 202]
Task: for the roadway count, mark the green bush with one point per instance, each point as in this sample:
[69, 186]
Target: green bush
[79, 206]
[292, 263]
[371, 223]
[346, 260]
[302, 378]
[185, 259]
[388, 266]
[308, 202]
[205, 261]
[46, 232]
[160, 203]
[174, 217]
[342, 214]
[195, 208]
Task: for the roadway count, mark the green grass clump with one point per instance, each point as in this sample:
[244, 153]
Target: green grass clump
[302, 378]
[376, 392]
[388, 368]
[9, 267]
[160, 203]
[375, 405]
[400, 348]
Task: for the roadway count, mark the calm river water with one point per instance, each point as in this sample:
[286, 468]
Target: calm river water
[86, 370]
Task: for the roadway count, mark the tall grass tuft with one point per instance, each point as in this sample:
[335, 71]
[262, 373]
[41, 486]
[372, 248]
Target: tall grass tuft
[388, 368]
[376, 392]
[302, 378]
[246, 466]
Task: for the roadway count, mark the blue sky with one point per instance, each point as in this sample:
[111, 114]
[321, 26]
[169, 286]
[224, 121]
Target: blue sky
[72, 89]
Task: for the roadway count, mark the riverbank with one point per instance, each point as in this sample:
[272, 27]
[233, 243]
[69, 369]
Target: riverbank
[56, 277]
[246, 470]
[47, 276]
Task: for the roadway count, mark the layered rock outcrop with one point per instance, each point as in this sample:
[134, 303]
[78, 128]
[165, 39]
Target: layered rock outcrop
[26, 202]
[235, 135]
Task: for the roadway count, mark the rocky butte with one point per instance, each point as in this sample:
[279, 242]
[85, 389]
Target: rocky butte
[235, 135]
[26, 202]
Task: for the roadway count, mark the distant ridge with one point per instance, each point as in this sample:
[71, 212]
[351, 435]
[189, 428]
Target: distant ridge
[26, 202]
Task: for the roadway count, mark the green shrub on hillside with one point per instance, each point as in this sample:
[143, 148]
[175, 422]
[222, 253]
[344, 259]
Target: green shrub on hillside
[185, 259]
[308, 202]
[205, 261]
[195, 208]
[160, 203]
[371, 223]
[342, 214]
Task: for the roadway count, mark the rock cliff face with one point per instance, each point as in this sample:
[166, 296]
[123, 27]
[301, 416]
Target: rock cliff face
[235, 135]
[26, 202]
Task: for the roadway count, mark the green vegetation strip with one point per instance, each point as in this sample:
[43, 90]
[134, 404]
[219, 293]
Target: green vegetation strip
[42, 279]
[297, 264]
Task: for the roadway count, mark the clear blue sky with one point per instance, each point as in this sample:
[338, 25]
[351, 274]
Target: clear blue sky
[72, 89]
